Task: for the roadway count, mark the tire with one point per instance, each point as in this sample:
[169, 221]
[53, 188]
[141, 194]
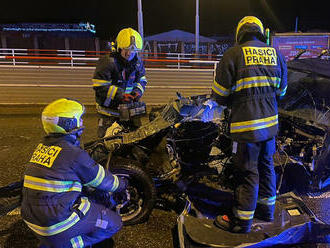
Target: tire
[10, 197]
[141, 188]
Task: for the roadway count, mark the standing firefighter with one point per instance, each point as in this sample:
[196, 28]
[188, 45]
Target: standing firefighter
[119, 78]
[249, 79]
[53, 204]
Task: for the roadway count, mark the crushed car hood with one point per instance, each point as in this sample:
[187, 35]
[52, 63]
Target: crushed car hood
[308, 94]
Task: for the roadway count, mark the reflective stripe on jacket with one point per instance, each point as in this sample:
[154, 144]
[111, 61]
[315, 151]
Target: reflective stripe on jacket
[248, 79]
[53, 181]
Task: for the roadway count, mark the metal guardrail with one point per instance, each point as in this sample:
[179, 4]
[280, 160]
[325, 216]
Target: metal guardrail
[30, 76]
[82, 58]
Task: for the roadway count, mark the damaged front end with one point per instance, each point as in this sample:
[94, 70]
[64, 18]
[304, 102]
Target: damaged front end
[303, 152]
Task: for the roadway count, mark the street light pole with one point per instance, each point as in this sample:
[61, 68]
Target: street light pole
[197, 28]
[140, 18]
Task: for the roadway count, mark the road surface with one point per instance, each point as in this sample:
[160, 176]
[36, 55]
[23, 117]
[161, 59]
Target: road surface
[40, 85]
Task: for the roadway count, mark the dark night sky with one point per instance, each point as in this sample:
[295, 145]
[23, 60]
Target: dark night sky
[217, 17]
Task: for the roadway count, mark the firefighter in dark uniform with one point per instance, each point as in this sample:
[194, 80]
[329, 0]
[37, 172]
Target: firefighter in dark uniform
[53, 205]
[119, 78]
[249, 79]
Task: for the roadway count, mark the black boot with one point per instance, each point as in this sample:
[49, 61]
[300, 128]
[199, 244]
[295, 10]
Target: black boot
[263, 217]
[264, 213]
[231, 224]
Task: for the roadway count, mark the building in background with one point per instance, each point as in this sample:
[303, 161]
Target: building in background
[57, 36]
[82, 36]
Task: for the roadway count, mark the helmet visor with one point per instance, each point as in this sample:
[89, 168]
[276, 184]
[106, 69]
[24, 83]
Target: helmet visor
[62, 116]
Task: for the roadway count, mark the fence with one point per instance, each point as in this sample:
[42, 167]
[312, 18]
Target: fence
[82, 58]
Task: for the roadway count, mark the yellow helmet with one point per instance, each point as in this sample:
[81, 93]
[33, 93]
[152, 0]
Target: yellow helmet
[128, 38]
[62, 116]
[249, 24]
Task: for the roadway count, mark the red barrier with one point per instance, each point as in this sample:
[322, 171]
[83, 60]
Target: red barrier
[151, 59]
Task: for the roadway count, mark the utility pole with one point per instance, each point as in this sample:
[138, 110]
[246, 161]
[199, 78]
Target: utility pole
[197, 28]
[140, 18]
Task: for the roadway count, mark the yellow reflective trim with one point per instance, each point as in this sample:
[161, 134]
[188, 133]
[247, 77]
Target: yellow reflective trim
[77, 242]
[253, 128]
[114, 93]
[220, 90]
[84, 205]
[112, 89]
[100, 82]
[143, 78]
[244, 123]
[110, 95]
[115, 183]
[139, 86]
[271, 81]
[267, 201]
[219, 86]
[248, 212]
[128, 89]
[109, 91]
[94, 80]
[56, 228]
[281, 92]
[73, 243]
[98, 178]
[81, 243]
[243, 214]
[245, 126]
[51, 185]
[252, 85]
[63, 225]
[238, 82]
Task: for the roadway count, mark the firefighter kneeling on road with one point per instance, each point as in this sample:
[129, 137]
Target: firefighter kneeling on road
[54, 206]
[249, 79]
[119, 77]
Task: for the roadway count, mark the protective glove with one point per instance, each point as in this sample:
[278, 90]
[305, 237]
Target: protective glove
[123, 183]
[127, 98]
[136, 96]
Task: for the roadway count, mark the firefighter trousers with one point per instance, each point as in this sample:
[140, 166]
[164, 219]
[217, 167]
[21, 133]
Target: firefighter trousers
[256, 180]
[98, 224]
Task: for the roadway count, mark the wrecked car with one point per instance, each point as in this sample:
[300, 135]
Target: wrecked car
[186, 143]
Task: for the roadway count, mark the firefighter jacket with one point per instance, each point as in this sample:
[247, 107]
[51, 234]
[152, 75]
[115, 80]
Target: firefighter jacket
[249, 79]
[115, 76]
[53, 181]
